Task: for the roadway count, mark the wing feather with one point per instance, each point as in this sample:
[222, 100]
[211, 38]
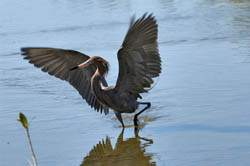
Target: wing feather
[58, 62]
[139, 59]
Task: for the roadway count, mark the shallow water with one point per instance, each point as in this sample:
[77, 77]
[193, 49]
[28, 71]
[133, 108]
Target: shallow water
[200, 104]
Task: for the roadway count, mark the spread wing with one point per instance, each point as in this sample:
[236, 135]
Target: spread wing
[58, 62]
[139, 59]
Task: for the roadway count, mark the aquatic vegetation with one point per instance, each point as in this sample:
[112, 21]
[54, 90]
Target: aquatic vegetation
[23, 120]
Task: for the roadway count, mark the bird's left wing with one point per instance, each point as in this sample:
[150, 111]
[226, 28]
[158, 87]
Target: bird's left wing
[139, 59]
[58, 62]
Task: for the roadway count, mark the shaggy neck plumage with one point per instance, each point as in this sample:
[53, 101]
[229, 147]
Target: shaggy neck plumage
[102, 68]
[96, 79]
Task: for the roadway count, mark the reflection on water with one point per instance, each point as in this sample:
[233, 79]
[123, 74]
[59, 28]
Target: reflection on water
[126, 152]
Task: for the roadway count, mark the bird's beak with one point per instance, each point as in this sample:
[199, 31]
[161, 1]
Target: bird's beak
[82, 65]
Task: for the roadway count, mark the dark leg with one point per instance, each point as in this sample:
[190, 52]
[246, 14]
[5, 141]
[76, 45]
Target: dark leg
[119, 117]
[136, 115]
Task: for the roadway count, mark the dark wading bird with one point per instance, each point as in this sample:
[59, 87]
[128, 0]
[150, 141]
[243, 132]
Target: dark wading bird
[139, 62]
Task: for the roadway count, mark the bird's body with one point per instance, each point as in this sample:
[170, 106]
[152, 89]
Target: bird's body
[122, 103]
[119, 102]
[139, 62]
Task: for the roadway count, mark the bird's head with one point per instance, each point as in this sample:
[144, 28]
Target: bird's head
[101, 64]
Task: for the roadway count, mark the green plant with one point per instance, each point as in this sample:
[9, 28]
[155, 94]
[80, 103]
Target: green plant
[23, 120]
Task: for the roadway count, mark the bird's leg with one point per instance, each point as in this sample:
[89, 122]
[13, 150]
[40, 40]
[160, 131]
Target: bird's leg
[136, 115]
[119, 117]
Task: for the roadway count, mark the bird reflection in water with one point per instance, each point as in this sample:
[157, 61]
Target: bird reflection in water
[129, 152]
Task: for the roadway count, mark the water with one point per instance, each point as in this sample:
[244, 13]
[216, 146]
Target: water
[200, 104]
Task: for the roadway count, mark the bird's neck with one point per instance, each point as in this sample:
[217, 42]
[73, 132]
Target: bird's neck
[101, 70]
[96, 82]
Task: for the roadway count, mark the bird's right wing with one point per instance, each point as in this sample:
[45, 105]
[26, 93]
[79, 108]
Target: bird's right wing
[58, 62]
[139, 59]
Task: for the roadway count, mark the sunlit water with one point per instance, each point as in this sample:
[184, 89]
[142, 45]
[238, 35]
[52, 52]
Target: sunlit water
[200, 114]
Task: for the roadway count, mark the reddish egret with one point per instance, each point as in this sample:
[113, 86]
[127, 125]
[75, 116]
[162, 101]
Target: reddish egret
[139, 62]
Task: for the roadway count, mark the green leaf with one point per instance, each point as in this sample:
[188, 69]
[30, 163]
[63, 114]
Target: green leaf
[23, 120]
